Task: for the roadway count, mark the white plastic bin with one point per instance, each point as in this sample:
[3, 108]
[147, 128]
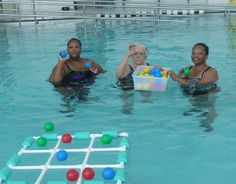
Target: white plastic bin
[149, 83]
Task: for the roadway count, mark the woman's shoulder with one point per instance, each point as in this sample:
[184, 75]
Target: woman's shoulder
[211, 69]
[210, 73]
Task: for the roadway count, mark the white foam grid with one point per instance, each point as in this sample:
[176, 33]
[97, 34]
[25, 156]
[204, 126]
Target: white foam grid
[84, 164]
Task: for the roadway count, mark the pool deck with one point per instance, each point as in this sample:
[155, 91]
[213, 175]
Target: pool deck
[149, 11]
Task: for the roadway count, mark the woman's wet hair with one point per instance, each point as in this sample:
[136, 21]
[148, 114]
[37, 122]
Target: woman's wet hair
[72, 40]
[206, 48]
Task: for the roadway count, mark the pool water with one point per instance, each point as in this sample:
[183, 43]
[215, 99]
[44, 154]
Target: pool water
[174, 138]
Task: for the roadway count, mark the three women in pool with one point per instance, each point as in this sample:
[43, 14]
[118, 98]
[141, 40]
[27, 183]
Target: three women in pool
[136, 54]
[201, 78]
[73, 70]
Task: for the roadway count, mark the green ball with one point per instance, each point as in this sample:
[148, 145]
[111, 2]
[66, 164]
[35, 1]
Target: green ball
[49, 126]
[186, 71]
[41, 141]
[106, 139]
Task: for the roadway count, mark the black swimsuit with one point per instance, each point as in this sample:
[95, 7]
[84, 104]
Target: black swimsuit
[75, 77]
[197, 90]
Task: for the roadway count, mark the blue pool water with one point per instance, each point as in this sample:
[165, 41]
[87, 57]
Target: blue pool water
[174, 138]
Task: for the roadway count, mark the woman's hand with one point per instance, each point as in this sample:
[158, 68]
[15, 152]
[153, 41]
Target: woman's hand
[94, 70]
[92, 67]
[130, 50]
[173, 75]
[61, 60]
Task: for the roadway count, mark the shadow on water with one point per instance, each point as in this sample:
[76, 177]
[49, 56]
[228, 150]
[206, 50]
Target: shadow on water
[72, 96]
[203, 106]
[6, 71]
[128, 99]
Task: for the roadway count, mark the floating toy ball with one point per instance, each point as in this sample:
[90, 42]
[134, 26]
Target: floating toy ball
[63, 53]
[146, 75]
[88, 64]
[165, 76]
[41, 141]
[164, 72]
[72, 175]
[152, 72]
[62, 155]
[66, 138]
[186, 71]
[49, 126]
[88, 173]
[108, 173]
[146, 70]
[156, 70]
[106, 139]
[158, 74]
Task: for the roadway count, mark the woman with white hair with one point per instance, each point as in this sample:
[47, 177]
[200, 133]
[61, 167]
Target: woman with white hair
[137, 54]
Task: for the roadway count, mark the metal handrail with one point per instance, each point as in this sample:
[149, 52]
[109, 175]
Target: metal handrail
[89, 9]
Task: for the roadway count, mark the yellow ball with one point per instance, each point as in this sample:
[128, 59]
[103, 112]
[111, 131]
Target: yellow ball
[141, 72]
[164, 72]
[146, 75]
[146, 70]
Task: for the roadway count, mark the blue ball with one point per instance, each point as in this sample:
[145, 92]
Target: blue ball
[87, 64]
[62, 155]
[158, 74]
[153, 72]
[108, 173]
[157, 69]
[63, 53]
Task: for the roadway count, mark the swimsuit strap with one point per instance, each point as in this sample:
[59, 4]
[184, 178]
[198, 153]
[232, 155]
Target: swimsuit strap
[205, 70]
[68, 67]
[131, 69]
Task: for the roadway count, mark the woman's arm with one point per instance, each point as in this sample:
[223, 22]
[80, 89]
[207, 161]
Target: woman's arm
[123, 69]
[95, 67]
[209, 77]
[179, 79]
[58, 71]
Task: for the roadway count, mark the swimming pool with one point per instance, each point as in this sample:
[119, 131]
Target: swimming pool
[174, 138]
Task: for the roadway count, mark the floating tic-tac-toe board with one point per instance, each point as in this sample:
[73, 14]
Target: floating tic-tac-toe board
[69, 158]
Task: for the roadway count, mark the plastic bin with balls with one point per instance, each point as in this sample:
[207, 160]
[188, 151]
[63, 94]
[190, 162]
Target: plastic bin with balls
[150, 78]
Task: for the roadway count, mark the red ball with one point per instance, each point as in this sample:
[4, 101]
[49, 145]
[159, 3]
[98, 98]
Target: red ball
[66, 138]
[72, 175]
[88, 173]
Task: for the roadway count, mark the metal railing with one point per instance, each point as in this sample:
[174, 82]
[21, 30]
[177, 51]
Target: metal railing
[22, 10]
